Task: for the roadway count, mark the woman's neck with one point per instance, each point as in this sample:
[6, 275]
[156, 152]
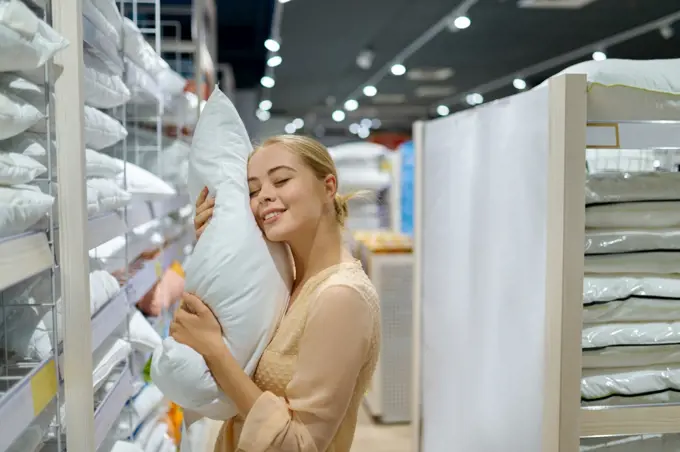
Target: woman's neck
[317, 251]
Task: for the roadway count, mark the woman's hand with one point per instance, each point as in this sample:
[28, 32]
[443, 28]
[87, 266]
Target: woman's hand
[204, 212]
[196, 326]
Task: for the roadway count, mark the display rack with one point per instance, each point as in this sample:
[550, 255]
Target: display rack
[44, 403]
[499, 265]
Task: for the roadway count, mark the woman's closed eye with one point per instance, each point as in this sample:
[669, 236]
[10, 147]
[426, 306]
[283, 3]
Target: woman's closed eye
[281, 182]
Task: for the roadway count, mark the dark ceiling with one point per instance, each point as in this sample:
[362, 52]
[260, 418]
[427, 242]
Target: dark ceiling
[321, 40]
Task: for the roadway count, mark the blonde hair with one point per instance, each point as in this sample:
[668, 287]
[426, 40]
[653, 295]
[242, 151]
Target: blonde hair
[317, 158]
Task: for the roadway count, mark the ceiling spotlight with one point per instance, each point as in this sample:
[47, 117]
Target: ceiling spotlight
[351, 105]
[266, 105]
[290, 128]
[376, 123]
[474, 99]
[283, 1]
[354, 128]
[263, 115]
[366, 123]
[267, 81]
[272, 45]
[462, 22]
[299, 123]
[667, 31]
[338, 116]
[443, 110]
[599, 56]
[398, 69]
[370, 91]
[274, 61]
[519, 84]
[364, 132]
[365, 59]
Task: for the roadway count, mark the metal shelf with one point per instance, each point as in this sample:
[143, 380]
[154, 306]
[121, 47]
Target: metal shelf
[23, 256]
[26, 399]
[109, 317]
[110, 408]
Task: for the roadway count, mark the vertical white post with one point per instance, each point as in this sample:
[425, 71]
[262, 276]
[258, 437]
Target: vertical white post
[564, 263]
[73, 252]
[416, 334]
[199, 39]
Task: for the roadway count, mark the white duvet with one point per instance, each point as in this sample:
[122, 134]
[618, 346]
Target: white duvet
[243, 278]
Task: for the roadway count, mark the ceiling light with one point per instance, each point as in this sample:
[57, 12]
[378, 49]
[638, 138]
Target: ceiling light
[354, 128]
[364, 132]
[272, 45]
[520, 84]
[366, 123]
[376, 123]
[290, 128]
[267, 81]
[667, 31]
[299, 123]
[462, 22]
[283, 1]
[266, 105]
[365, 59]
[599, 56]
[474, 99]
[274, 61]
[370, 91]
[398, 69]
[338, 116]
[443, 110]
[263, 115]
[351, 105]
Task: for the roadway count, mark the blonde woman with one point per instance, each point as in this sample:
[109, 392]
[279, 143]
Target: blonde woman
[307, 390]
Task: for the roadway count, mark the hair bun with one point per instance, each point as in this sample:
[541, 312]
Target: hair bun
[341, 208]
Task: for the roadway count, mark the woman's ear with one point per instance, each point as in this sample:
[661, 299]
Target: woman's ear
[331, 184]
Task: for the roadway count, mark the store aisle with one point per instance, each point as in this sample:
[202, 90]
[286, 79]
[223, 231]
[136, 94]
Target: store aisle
[372, 437]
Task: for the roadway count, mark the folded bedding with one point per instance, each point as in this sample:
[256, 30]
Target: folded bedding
[635, 386]
[656, 262]
[244, 279]
[622, 187]
[623, 241]
[634, 215]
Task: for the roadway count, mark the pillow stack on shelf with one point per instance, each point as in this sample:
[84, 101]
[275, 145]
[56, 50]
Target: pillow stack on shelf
[27, 44]
[631, 293]
[361, 170]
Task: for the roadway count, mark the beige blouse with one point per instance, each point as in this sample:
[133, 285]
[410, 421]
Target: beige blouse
[314, 372]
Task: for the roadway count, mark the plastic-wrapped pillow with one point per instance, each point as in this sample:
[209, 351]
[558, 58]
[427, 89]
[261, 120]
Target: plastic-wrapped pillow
[16, 114]
[101, 88]
[26, 42]
[16, 169]
[244, 279]
[21, 207]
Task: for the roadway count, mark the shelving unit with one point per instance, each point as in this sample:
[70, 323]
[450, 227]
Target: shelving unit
[52, 256]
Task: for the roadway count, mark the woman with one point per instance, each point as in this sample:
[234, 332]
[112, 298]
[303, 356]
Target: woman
[307, 390]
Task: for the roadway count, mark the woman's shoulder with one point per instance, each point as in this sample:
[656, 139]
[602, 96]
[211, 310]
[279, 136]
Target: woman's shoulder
[350, 280]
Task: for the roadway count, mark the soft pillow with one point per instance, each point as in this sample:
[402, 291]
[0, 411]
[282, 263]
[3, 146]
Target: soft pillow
[109, 195]
[245, 280]
[101, 88]
[28, 143]
[143, 86]
[101, 130]
[143, 337]
[18, 169]
[26, 42]
[21, 207]
[143, 185]
[16, 114]
[101, 165]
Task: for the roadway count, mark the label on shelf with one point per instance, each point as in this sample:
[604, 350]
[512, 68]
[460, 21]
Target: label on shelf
[44, 386]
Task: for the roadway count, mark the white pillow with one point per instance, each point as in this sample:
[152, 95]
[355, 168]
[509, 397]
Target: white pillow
[101, 88]
[245, 280]
[143, 185]
[37, 75]
[143, 337]
[139, 51]
[143, 86]
[26, 42]
[16, 114]
[108, 194]
[16, 169]
[101, 130]
[28, 143]
[101, 165]
[123, 446]
[21, 207]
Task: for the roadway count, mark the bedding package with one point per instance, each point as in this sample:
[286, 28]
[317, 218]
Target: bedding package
[245, 279]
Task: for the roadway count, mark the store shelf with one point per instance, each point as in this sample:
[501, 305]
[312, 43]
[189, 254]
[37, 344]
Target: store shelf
[162, 209]
[106, 51]
[23, 256]
[105, 227]
[142, 281]
[108, 318]
[138, 213]
[110, 408]
[24, 401]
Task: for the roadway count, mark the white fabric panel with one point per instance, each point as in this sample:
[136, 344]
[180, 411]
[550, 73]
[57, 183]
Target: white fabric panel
[480, 185]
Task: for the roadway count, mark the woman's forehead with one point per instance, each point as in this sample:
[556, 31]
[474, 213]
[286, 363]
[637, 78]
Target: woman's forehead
[270, 157]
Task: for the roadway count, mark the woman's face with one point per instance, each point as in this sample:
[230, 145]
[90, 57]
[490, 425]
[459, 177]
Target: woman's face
[285, 196]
